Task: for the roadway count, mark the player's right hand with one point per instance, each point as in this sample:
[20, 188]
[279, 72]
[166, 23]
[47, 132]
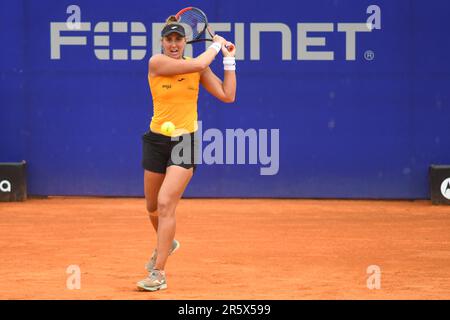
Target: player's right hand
[219, 39]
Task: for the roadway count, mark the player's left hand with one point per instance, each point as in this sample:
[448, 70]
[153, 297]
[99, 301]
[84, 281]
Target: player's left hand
[229, 49]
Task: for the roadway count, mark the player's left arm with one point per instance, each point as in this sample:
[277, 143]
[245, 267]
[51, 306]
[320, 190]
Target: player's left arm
[223, 90]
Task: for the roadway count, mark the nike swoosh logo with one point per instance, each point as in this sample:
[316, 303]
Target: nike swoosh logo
[174, 27]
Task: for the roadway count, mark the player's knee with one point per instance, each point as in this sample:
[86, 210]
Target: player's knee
[151, 208]
[154, 213]
[164, 205]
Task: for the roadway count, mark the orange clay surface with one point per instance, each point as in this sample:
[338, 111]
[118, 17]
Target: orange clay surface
[230, 249]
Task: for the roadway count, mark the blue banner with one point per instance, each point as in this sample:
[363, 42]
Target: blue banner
[335, 98]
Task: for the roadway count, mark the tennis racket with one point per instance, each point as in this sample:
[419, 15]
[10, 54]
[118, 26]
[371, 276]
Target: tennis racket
[198, 22]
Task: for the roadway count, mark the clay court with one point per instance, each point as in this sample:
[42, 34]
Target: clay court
[230, 249]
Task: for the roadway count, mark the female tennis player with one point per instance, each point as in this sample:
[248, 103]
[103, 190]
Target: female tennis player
[174, 85]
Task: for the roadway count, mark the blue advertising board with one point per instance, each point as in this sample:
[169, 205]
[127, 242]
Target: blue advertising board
[337, 98]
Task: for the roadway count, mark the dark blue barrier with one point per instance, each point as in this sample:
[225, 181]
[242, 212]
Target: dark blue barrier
[363, 128]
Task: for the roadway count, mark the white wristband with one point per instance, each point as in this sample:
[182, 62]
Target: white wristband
[229, 60]
[229, 63]
[216, 46]
[229, 68]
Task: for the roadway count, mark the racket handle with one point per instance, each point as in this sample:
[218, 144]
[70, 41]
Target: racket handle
[212, 34]
[230, 47]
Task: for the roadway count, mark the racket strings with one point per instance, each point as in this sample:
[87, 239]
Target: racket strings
[193, 18]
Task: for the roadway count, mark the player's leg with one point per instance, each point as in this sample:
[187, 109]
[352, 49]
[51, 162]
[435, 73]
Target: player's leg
[175, 182]
[155, 153]
[152, 184]
[172, 188]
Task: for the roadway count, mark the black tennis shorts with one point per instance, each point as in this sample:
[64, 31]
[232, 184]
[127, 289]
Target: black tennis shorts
[157, 152]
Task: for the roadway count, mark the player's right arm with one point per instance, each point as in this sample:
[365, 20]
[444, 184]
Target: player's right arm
[162, 65]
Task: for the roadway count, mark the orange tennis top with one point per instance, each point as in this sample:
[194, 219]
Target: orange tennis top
[175, 100]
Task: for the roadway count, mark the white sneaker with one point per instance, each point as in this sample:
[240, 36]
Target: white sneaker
[156, 280]
[151, 264]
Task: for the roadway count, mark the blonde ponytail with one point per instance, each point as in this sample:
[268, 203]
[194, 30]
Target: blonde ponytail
[171, 19]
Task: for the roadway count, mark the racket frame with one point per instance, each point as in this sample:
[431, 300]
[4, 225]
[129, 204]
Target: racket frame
[201, 33]
[206, 28]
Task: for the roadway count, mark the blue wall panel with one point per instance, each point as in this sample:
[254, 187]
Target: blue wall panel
[348, 129]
